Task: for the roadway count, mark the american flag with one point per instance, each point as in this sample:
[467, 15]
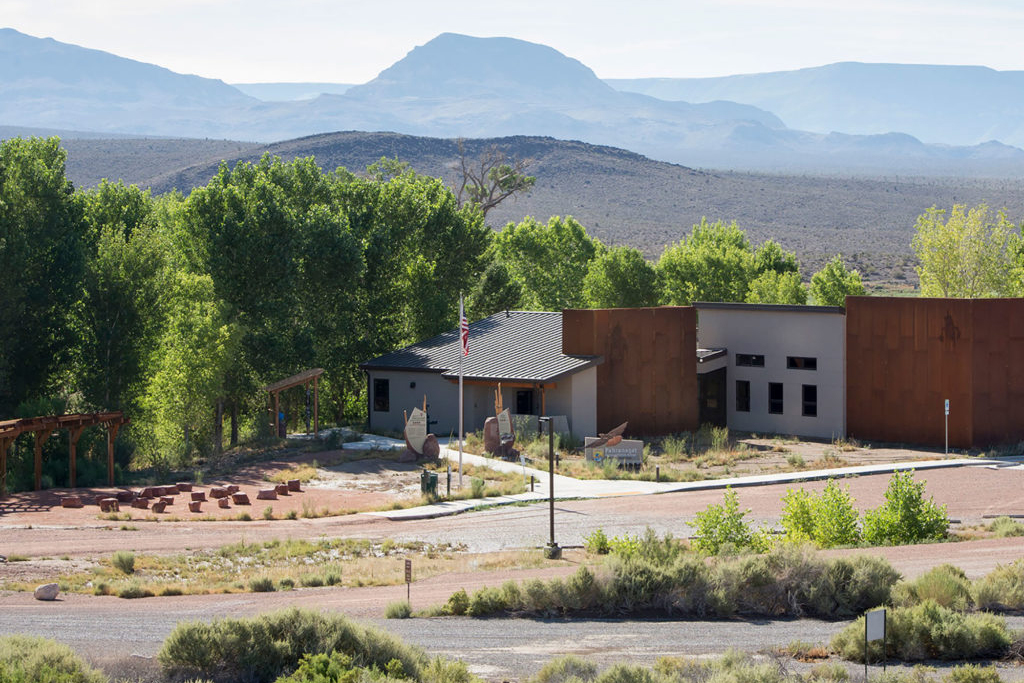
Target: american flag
[463, 328]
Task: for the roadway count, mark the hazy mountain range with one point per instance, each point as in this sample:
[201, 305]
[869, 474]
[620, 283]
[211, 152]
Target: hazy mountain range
[459, 86]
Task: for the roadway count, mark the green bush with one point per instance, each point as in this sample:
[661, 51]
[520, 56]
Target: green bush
[124, 561]
[1000, 589]
[905, 517]
[262, 584]
[928, 631]
[1004, 527]
[271, 645]
[398, 610]
[485, 601]
[850, 585]
[565, 669]
[946, 585]
[828, 519]
[721, 525]
[477, 486]
[972, 673]
[596, 542]
[28, 659]
[133, 590]
[457, 603]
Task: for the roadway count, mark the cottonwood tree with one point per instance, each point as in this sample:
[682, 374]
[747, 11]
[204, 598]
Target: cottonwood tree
[772, 287]
[491, 178]
[714, 263]
[969, 254]
[832, 284]
[621, 278]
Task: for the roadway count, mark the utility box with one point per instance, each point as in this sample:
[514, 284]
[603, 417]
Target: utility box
[428, 482]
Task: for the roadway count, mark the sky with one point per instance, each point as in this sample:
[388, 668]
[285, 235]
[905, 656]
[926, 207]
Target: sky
[342, 41]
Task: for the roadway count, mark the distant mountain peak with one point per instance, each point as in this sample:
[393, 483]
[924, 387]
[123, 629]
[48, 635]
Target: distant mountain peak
[453, 65]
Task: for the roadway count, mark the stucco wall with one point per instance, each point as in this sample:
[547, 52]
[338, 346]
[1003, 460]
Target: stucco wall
[777, 333]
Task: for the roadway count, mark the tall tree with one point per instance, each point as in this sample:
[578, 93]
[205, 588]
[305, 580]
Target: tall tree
[714, 263]
[492, 178]
[549, 260]
[772, 287]
[42, 259]
[621, 278]
[968, 255]
[832, 284]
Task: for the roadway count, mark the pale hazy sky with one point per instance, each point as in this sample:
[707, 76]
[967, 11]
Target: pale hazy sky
[351, 42]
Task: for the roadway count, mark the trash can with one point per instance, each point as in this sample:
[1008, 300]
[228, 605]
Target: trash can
[428, 482]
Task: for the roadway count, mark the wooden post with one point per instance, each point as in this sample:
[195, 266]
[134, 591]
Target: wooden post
[41, 437]
[543, 401]
[316, 407]
[111, 435]
[73, 435]
[305, 405]
[277, 415]
[4, 445]
[218, 427]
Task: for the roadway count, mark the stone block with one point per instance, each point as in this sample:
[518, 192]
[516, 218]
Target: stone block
[282, 489]
[167, 500]
[148, 492]
[239, 499]
[294, 485]
[47, 591]
[159, 506]
[232, 488]
[218, 492]
[198, 495]
[195, 506]
[224, 502]
[125, 496]
[108, 505]
[267, 494]
[183, 487]
[171, 490]
[70, 502]
[431, 448]
[141, 503]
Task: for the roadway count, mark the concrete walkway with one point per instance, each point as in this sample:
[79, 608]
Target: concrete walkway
[570, 488]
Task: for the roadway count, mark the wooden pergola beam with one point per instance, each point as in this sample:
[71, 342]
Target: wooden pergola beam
[303, 378]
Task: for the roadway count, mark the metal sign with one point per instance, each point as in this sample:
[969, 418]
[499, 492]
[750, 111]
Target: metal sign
[947, 406]
[874, 625]
[408, 571]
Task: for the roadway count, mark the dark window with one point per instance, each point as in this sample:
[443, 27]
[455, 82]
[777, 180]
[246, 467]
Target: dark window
[750, 360]
[381, 395]
[742, 396]
[524, 402]
[801, 363]
[810, 400]
[775, 398]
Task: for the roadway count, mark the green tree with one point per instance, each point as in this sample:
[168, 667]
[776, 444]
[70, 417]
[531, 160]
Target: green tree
[42, 260]
[968, 255]
[905, 517]
[621, 278]
[771, 257]
[495, 291]
[549, 260]
[714, 263]
[832, 284]
[723, 524]
[772, 287]
[491, 179]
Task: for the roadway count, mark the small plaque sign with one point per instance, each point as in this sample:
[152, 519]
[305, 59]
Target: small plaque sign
[874, 625]
[416, 430]
[627, 451]
[504, 424]
[408, 571]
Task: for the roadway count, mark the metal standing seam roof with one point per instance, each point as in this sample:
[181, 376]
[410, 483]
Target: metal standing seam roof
[520, 346]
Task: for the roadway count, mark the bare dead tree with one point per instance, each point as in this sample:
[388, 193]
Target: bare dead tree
[492, 178]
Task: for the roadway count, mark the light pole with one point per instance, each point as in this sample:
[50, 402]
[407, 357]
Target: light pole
[551, 550]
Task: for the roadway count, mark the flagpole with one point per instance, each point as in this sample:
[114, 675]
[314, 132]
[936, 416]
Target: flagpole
[462, 353]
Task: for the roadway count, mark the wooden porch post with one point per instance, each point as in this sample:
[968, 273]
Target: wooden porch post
[543, 400]
[277, 415]
[4, 445]
[41, 437]
[305, 397]
[73, 434]
[111, 435]
[316, 407]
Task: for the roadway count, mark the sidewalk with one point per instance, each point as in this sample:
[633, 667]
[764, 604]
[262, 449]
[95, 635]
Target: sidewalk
[569, 488]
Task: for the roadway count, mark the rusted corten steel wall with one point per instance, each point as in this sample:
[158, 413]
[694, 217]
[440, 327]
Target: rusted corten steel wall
[649, 373]
[905, 357]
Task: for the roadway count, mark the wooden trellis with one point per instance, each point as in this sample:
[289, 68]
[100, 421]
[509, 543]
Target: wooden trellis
[303, 378]
[43, 427]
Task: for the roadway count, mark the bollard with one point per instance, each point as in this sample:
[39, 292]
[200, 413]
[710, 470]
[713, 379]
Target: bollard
[531, 483]
[448, 491]
[657, 473]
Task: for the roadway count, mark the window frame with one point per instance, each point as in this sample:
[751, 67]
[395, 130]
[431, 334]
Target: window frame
[809, 363]
[381, 398]
[742, 404]
[805, 403]
[750, 360]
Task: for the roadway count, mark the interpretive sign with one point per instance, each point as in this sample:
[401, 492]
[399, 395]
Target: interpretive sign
[416, 430]
[874, 625]
[625, 452]
[505, 425]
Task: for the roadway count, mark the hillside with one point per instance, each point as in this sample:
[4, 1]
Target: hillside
[621, 197]
[956, 105]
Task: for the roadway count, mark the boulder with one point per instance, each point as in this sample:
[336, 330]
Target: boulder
[195, 506]
[167, 500]
[70, 502]
[47, 591]
[183, 487]
[125, 496]
[232, 489]
[492, 440]
[141, 503]
[155, 491]
[148, 492]
[219, 492]
[108, 505]
[224, 502]
[171, 490]
[408, 455]
[294, 485]
[267, 494]
[239, 499]
[431, 448]
[198, 496]
[159, 506]
[282, 489]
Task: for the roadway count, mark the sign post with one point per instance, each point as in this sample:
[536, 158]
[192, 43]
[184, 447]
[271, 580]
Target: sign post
[408, 580]
[947, 426]
[874, 629]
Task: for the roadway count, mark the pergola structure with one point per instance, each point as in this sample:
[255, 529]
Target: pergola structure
[43, 428]
[304, 378]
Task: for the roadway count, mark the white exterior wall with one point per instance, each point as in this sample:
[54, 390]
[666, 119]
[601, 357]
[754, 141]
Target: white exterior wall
[776, 334]
[574, 396]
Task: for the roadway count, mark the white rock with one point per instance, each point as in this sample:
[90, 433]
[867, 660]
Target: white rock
[47, 591]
